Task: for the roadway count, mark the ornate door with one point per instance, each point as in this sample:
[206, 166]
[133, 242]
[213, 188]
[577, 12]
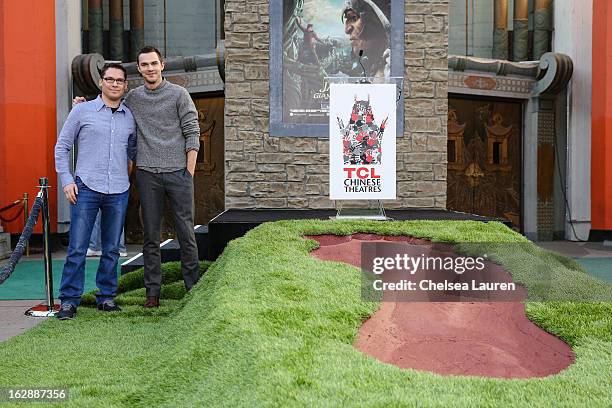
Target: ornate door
[484, 158]
[210, 172]
[209, 183]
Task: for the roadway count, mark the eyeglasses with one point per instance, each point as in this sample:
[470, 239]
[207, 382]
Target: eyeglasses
[111, 80]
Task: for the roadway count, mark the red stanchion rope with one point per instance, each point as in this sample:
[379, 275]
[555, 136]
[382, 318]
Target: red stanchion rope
[11, 205]
[8, 207]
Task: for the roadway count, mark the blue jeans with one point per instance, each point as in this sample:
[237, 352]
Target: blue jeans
[95, 242]
[82, 217]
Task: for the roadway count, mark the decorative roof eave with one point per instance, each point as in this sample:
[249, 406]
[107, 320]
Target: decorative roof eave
[198, 73]
[555, 72]
[480, 76]
[495, 67]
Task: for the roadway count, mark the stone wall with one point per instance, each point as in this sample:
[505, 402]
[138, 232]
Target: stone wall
[292, 172]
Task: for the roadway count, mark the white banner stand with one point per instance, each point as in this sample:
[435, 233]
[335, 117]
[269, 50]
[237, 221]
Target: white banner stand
[376, 214]
[362, 133]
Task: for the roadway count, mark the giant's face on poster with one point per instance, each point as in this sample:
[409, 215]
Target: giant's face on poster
[324, 38]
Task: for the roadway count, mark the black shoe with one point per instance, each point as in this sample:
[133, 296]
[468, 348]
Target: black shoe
[67, 311]
[109, 306]
[152, 302]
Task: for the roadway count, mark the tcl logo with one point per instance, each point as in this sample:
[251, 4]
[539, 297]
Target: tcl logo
[361, 172]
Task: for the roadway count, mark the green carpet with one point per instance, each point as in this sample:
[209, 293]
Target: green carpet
[599, 267]
[28, 279]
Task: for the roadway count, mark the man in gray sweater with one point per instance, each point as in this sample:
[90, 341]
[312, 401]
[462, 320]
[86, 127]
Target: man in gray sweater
[167, 148]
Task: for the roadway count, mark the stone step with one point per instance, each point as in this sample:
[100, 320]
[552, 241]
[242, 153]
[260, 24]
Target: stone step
[171, 250]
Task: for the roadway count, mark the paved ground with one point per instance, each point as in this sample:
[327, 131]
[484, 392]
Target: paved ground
[13, 321]
[579, 249]
[12, 318]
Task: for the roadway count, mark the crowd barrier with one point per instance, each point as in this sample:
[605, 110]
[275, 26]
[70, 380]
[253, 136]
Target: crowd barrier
[41, 204]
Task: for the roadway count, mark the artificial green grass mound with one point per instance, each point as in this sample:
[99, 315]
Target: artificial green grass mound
[269, 325]
[130, 287]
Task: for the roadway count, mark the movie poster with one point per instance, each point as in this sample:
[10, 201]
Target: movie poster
[362, 141]
[323, 38]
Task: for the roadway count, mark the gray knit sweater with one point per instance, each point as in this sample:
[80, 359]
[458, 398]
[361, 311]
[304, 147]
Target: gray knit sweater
[167, 126]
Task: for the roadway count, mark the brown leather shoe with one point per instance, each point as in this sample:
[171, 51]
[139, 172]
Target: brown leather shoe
[152, 301]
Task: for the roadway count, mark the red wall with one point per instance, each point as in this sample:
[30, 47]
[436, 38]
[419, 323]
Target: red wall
[27, 102]
[601, 160]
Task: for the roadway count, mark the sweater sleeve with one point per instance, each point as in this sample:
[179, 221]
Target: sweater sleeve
[188, 116]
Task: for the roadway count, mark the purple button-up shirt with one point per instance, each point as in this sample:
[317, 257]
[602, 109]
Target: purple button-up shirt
[105, 140]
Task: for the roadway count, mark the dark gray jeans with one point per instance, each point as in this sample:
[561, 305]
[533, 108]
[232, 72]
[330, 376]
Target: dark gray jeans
[178, 187]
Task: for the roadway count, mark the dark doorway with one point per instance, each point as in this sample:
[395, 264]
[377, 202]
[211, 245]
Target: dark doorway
[210, 171]
[484, 158]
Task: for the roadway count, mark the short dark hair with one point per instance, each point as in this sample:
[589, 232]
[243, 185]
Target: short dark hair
[147, 49]
[110, 65]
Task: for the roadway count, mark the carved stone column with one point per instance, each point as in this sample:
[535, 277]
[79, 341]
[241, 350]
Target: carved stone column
[542, 27]
[546, 168]
[136, 27]
[521, 29]
[555, 72]
[116, 29]
[500, 30]
[96, 45]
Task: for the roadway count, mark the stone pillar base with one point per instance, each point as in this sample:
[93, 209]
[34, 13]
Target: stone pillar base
[5, 245]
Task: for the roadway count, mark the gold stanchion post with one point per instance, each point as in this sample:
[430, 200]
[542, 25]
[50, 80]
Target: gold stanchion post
[26, 214]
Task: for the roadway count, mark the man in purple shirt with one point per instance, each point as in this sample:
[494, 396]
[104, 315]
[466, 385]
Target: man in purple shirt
[105, 132]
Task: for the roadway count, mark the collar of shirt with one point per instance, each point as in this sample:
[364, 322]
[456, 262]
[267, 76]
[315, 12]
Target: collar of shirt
[99, 104]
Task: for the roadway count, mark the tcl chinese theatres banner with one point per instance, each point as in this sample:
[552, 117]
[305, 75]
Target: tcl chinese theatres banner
[362, 141]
